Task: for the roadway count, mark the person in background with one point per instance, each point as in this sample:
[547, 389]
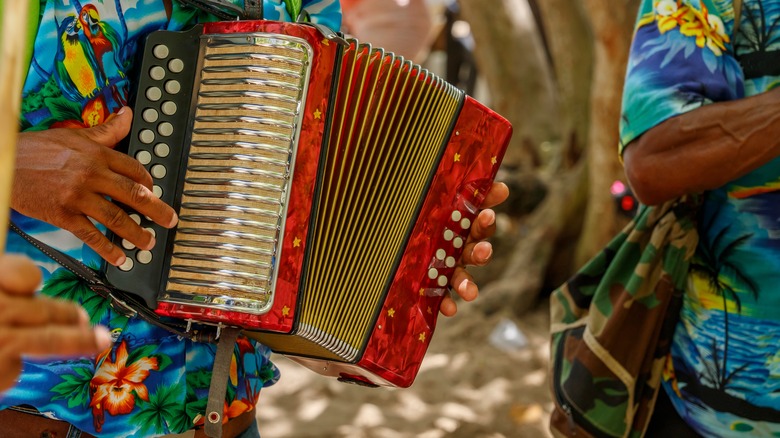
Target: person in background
[399, 26]
[149, 382]
[699, 118]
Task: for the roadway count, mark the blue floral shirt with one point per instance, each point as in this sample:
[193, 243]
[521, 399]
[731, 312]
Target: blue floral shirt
[150, 382]
[723, 373]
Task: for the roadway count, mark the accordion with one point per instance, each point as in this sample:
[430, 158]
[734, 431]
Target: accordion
[325, 191]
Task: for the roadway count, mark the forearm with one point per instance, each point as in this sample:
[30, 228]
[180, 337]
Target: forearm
[704, 148]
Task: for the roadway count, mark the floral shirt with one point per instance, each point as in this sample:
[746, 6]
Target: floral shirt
[150, 382]
[723, 373]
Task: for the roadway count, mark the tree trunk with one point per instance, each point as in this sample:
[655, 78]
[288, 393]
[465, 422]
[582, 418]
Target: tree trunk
[612, 27]
[512, 60]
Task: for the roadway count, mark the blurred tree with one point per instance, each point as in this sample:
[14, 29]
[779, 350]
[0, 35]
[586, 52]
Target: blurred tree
[555, 69]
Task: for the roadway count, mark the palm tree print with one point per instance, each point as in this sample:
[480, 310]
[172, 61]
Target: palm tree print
[714, 264]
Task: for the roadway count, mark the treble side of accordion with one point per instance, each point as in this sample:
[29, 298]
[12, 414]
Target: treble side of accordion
[325, 192]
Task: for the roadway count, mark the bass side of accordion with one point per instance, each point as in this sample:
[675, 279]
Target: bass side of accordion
[325, 190]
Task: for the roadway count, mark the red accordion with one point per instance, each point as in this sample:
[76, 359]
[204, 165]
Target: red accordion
[325, 191]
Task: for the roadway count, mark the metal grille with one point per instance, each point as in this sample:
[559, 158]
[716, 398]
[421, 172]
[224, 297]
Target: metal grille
[237, 178]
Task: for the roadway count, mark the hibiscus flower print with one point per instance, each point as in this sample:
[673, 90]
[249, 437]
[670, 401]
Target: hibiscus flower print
[117, 383]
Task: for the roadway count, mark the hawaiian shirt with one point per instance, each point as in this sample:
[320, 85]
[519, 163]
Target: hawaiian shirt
[149, 382]
[723, 373]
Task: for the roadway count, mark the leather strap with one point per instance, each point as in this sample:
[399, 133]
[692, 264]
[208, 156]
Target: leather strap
[220, 373]
[227, 10]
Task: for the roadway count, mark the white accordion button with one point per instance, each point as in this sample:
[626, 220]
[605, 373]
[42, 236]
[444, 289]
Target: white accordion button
[150, 115]
[456, 216]
[161, 51]
[146, 136]
[154, 94]
[442, 281]
[165, 129]
[176, 65]
[136, 218]
[433, 273]
[440, 254]
[157, 73]
[457, 243]
[448, 235]
[144, 257]
[144, 157]
[465, 223]
[159, 171]
[126, 244]
[173, 87]
[169, 108]
[127, 265]
[450, 262]
[162, 150]
[157, 190]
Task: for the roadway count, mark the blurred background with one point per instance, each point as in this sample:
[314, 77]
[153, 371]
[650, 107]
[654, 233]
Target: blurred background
[555, 69]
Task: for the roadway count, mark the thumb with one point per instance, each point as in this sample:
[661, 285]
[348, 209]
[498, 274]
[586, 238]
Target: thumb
[18, 275]
[113, 130]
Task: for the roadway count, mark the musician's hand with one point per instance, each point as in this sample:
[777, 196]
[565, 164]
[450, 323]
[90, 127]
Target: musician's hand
[477, 251]
[38, 325]
[64, 176]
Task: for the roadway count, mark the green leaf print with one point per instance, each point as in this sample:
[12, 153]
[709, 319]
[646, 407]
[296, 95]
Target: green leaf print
[66, 285]
[293, 8]
[74, 388]
[163, 412]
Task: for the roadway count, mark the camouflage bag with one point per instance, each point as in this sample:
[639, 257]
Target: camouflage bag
[612, 323]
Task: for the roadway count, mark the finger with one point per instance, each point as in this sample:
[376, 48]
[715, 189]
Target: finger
[141, 199]
[10, 368]
[463, 284]
[53, 340]
[448, 306]
[498, 193]
[484, 226]
[18, 275]
[40, 311]
[85, 231]
[112, 131]
[476, 254]
[116, 220]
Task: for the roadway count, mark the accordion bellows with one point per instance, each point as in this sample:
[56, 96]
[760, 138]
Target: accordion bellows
[325, 190]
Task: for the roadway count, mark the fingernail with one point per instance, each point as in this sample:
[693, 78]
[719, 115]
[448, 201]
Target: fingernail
[102, 338]
[121, 260]
[492, 215]
[463, 286]
[122, 110]
[174, 221]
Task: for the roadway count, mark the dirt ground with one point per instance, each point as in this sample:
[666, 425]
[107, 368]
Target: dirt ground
[469, 386]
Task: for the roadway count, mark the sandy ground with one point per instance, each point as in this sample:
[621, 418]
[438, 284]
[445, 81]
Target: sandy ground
[467, 387]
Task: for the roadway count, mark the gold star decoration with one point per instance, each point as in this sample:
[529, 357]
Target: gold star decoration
[476, 193]
[285, 311]
[430, 311]
[421, 337]
[296, 242]
[422, 291]
[391, 312]
[325, 42]
[457, 158]
[317, 114]
[494, 160]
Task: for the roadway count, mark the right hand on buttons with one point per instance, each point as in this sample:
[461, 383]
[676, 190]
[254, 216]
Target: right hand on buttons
[37, 325]
[64, 176]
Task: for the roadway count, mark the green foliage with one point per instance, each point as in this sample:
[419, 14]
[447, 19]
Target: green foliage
[66, 285]
[74, 388]
[164, 408]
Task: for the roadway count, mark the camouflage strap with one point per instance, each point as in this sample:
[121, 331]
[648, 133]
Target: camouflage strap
[612, 324]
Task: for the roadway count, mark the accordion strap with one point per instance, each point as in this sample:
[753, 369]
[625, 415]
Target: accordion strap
[124, 303]
[226, 10]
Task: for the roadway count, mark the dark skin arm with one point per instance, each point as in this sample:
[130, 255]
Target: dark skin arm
[63, 177]
[704, 148]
